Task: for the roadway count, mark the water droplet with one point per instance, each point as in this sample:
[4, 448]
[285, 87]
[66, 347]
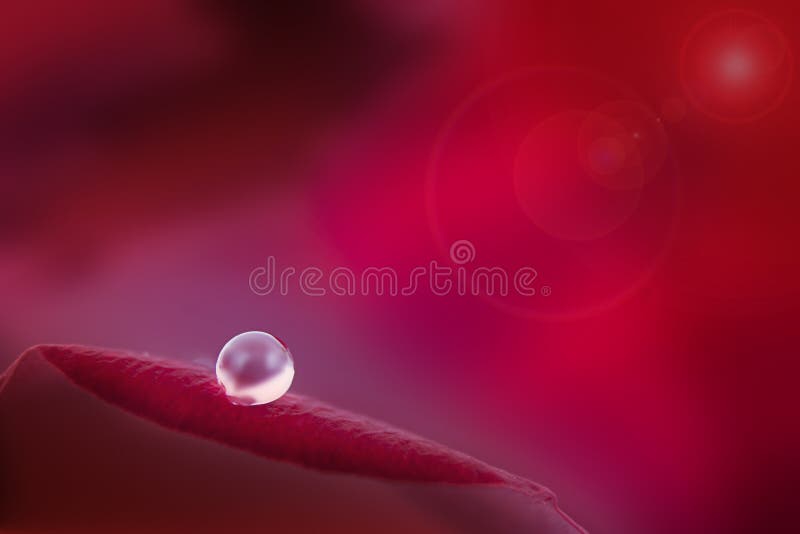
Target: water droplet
[255, 368]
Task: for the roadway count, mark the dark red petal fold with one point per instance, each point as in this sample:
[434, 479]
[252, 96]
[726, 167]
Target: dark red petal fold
[295, 428]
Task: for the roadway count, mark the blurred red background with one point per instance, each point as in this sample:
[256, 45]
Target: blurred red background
[153, 153]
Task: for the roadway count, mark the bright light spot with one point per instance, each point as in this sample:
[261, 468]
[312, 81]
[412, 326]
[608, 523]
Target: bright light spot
[737, 66]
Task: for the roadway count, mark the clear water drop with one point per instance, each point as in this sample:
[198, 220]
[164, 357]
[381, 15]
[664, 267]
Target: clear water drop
[255, 368]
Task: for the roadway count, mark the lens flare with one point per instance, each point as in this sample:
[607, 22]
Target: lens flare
[736, 66]
[554, 190]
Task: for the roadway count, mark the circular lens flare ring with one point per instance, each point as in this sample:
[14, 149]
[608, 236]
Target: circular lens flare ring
[553, 186]
[463, 181]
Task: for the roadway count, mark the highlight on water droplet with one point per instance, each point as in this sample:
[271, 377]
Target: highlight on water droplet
[255, 368]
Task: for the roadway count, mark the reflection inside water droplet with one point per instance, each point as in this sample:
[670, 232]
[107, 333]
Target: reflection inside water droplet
[255, 368]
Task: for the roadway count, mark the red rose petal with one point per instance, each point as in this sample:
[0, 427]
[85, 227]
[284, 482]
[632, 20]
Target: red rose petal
[294, 428]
